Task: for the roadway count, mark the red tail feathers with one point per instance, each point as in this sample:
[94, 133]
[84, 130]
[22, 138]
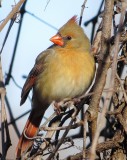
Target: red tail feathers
[30, 130]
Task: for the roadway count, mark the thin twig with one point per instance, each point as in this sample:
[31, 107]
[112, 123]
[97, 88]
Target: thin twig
[11, 14]
[116, 111]
[48, 119]
[3, 117]
[63, 137]
[82, 10]
[60, 141]
[46, 5]
[122, 122]
[124, 93]
[84, 136]
[97, 41]
[101, 147]
[44, 128]
[116, 46]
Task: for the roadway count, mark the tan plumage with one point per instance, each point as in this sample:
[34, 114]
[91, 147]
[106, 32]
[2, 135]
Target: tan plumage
[65, 70]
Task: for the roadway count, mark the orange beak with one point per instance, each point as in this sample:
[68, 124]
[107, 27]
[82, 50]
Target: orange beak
[57, 39]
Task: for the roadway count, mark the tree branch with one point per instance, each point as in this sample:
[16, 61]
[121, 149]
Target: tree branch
[11, 14]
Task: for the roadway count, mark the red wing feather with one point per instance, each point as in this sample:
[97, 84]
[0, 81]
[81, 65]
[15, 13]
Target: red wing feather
[30, 82]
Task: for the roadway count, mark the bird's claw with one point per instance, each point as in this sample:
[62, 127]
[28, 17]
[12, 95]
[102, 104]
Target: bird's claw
[76, 100]
[57, 108]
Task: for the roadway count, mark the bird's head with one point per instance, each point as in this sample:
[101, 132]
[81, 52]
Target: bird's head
[71, 35]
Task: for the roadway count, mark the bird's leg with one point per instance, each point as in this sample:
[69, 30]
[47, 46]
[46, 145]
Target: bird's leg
[74, 113]
[76, 100]
[57, 108]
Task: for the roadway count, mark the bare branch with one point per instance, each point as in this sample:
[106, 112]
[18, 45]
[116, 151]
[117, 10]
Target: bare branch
[82, 10]
[101, 74]
[11, 14]
[5, 136]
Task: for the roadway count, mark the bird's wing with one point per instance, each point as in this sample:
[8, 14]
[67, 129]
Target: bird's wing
[36, 70]
[30, 81]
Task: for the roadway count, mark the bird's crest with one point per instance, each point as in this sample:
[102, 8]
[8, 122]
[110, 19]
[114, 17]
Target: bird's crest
[74, 19]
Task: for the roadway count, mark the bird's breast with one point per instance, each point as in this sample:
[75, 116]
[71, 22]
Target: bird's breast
[65, 76]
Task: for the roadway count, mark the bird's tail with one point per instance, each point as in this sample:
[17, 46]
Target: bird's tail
[30, 131]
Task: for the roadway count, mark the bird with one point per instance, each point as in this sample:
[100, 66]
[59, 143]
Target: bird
[64, 70]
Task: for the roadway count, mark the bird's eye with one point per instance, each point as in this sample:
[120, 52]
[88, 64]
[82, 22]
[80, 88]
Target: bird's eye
[68, 37]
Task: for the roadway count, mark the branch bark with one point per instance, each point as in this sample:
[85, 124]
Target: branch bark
[11, 14]
[5, 136]
[101, 72]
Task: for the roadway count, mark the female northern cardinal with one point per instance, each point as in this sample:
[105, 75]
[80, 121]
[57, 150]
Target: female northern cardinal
[64, 70]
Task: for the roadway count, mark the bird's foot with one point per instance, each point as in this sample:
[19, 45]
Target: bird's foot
[57, 108]
[74, 113]
[76, 100]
